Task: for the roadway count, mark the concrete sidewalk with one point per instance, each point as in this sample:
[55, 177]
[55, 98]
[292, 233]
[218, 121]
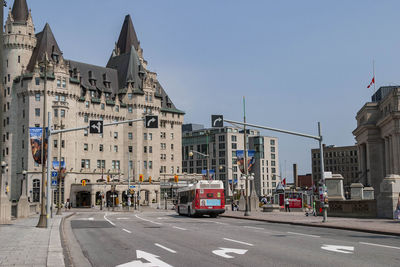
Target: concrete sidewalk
[377, 226]
[22, 244]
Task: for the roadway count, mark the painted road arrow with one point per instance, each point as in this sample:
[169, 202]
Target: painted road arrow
[151, 258]
[341, 249]
[224, 251]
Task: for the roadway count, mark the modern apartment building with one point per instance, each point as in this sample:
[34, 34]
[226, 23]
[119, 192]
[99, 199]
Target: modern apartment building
[221, 144]
[340, 160]
[77, 92]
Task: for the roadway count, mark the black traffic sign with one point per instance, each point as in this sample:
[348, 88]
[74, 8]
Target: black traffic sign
[217, 121]
[96, 127]
[151, 122]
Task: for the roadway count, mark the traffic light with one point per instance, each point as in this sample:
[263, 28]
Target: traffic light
[141, 178]
[131, 191]
[149, 179]
[83, 182]
[176, 178]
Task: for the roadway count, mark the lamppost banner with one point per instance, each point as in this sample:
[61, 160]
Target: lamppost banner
[250, 159]
[35, 134]
[56, 167]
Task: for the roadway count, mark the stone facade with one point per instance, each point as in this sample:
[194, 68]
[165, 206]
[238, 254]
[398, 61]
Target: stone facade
[77, 93]
[223, 144]
[378, 137]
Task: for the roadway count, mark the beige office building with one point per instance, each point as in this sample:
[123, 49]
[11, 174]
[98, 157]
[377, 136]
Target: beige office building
[221, 144]
[76, 93]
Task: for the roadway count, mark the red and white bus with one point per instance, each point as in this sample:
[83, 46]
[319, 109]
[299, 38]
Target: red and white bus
[201, 198]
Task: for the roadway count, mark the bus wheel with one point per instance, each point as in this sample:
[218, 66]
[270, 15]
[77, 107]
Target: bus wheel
[214, 215]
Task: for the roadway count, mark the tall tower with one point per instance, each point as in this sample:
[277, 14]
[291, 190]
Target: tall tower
[19, 42]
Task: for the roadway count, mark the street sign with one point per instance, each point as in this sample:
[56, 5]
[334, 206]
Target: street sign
[132, 186]
[96, 127]
[217, 121]
[151, 122]
[54, 182]
[54, 174]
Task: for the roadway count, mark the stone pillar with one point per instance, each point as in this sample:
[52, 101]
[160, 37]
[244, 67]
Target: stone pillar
[396, 154]
[23, 204]
[335, 187]
[368, 193]
[361, 160]
[387, 167]
[391, 163]
[389, 196]
[356, 191]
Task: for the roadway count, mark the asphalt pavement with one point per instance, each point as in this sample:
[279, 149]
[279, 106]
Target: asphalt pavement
[162, 238]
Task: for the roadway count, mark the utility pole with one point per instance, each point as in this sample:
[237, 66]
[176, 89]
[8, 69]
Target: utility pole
[5, 205]
[59, 171]
[43, 213]
[246, 212]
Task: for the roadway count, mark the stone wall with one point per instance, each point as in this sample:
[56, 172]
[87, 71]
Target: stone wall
[352, 208]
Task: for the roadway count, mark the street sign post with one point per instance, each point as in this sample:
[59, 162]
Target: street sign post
[96, 127]
[151, 122]
[54, 174]
[54, 182]
[217, 121]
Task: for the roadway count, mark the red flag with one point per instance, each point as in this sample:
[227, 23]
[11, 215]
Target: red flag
[372, 82]
[284, 182]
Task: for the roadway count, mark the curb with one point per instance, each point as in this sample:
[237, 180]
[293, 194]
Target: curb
[313, 225]
[67, 253]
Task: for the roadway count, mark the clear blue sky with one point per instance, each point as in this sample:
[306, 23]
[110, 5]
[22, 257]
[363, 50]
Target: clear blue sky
[297, 62]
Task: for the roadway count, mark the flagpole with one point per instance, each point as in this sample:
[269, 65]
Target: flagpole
[373, 71]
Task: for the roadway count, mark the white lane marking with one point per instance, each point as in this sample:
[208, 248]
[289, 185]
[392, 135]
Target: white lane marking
[161, 218]
[147, 220]
[293, 233]
[122, 218]
[91, 219]
[222, 252]
[127, 231]
[378, 245]
[220, 223]
[148, 257]
[180, 228]
[341, 249]
[105, 218]
[167, 249]
[252, 227]
[240, 242]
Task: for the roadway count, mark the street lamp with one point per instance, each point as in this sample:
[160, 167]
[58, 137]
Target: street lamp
[192, 152]
[43, 213]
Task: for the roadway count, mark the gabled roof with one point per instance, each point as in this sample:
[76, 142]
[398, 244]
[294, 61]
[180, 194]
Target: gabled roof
[127, 37]
[46, 43]
[101, 75]
[128, 66]
[20, 11]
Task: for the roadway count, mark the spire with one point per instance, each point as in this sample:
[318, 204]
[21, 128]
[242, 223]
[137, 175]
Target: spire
[20, 11]
[46, 45]
[127, 37]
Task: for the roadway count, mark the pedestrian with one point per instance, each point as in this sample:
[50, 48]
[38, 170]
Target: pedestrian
[287, 208]
[397, 211]
[314, 208]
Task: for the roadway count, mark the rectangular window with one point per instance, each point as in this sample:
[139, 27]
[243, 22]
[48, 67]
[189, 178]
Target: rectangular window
[37, 112]
[62, 113]
[86, 118]
[85, 147]
[115, 148]
[145, 164]
[101, 148]
[272, 149]
[55, 143]
[145, 136]
[58, 82]
[64, 83]
[150, 165]
[130, 110]
[130, 149]
[150, 149]
[172, 136]
[130, 96]
[56, 113]
[102, 106]
[37, 81]
[87, 164]
[130, 136]
[85, 132]
[272, 142]
[115, 135]
[87, 104]
[37, 96]
[150, 136]
[145, 149]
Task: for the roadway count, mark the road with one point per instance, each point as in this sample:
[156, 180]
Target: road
[162, 238]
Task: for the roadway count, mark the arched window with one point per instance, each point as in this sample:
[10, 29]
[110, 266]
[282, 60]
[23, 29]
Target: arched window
[36, 190]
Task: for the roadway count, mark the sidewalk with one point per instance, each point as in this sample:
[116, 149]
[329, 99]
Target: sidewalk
[22, 244]
[377, 226]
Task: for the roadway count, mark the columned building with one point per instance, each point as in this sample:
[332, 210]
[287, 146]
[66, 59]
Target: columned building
[77, 92]
[378, 136]
[221, 144]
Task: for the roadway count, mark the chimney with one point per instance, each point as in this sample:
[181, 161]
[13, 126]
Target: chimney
[295, 176]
